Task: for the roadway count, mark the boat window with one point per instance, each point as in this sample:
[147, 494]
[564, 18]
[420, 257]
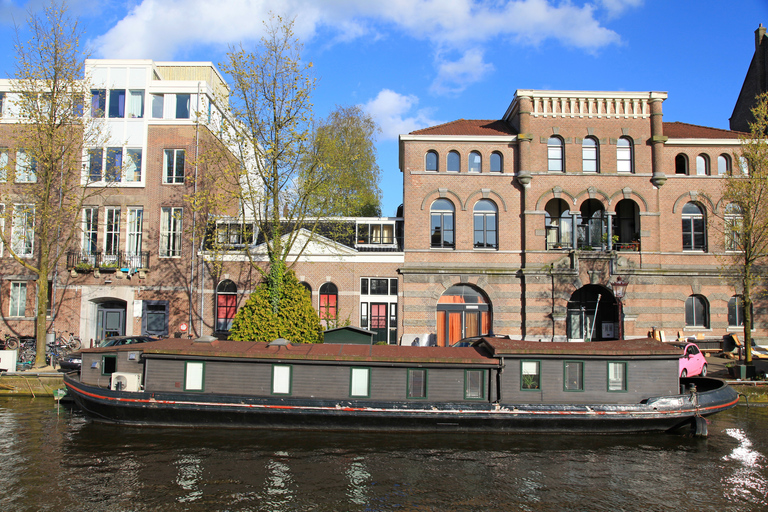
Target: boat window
[108, 365]
[417, 383]
[359, 385]
[473, 384]
[281, 379]
[573, 376]
[194, 375]
[530, 375]
[617, 376]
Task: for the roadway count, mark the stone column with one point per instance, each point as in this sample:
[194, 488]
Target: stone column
[657, 140]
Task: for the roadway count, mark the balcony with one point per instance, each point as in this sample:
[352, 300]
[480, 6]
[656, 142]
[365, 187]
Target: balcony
[86, 261]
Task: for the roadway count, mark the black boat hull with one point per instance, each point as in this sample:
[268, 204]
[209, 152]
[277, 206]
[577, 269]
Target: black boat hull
[195, 409]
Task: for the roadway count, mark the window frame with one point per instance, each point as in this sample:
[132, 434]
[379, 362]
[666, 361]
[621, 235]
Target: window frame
[482, 233]
[468, 395]
[736, 310]
[442, 213]
[326, 310]
[702, 165]
[282, 385]
[26, 168]
[566, 382]
[104, 358]
[590, 154]
[171, 231]
[690, 221]
[424, 391]
[196, 387]
[111, 230]
[353, 381]
[172, 175]
[17, 307]
[523, 374]
[4, 160]
[23, 220]
[496, 158]
[555, 154]
[691, 319]
[453, 161]
[223, 289]
[428, 156]
[625, 155]
[611, 388]
[475, 166]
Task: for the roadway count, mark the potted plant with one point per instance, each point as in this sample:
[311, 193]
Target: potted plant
[83, 267]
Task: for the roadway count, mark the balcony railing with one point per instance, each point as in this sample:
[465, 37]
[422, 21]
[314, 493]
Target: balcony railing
[122, 260]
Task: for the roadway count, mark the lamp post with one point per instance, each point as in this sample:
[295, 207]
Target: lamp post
[619, 289]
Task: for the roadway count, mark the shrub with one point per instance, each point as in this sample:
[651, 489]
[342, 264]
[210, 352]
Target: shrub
[295, 319]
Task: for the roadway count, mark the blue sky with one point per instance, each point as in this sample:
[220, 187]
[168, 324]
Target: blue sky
[417, 63]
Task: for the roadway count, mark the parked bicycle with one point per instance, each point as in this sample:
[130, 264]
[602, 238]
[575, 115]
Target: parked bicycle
[68, 343]
[10, 342]
[27, 353]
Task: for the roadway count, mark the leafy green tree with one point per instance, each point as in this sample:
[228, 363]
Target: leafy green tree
[296, 320]
[745, 216]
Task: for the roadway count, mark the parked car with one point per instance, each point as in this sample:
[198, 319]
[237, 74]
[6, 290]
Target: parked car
[692, 361]
[74, 360]
[473, 340]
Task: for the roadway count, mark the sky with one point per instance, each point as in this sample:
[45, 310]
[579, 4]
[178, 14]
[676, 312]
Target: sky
[417, 63]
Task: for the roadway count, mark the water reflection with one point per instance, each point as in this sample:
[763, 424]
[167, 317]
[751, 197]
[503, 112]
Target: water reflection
[89, 466]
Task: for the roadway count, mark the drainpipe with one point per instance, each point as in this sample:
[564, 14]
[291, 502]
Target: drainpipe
[193, 259]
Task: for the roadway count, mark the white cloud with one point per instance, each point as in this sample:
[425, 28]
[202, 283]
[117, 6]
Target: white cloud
[617, 7]
[394, 113]
[453, 77]
[162, 29]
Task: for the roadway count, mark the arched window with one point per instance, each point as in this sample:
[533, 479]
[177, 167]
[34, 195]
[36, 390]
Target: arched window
[681, 164]
[441, 223]
[497, 163]
[736, 312]
[723, 165]
[694, 234]
[307, 287]
[733, 227]
[558, 224]
[226, 305]
[485, 221]
[696, 312]
[702, 165]
[589, 155]
[329, 296]
[626, 225]
[431, 161]
[462, 311]
[555, 154]
[591, 226]
[475, 163]
[624, 160]
[454, 162]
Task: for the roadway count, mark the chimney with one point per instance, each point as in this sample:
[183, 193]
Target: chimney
[759, 35]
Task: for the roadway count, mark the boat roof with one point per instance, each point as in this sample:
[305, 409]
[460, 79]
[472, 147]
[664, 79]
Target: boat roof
[485, 351]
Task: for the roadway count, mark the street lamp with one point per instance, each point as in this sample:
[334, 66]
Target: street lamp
[619, 289]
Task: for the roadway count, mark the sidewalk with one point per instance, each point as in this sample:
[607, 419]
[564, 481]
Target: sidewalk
[716, 366]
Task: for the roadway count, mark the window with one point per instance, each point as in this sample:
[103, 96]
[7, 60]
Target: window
[723, 165]
[497, 163]
[744, 166]
[95, 156]
[182, 106]
[233, 235]
[617, 376]
[3, 164]
[112, 234]
[696, 312]
[558, 224]
[441, 224]
[108, 365]
[226, 305]
[474, 388]
[573, 376]
[377, 233]
[485, 225]
[431, 161]
[133, 165]
[194, 375]
[18, 298]
[170, 231]
[360, 382]
[589, 153]
[114, 165]
[281, 379]
[154, 317]
[453, 162]
[157, 106]
[681, 164]
[530, 376]
[136, 104]
[624, 159]
[117, 103]
[702, 165]
[475, 162]
[329, 296]
[173, 166]
[417, 383]
[736, 312]
[555, 154]
[90, 230]
[733, 227]
[134, 227]
[378, 286]
[98, 102]
[23, 230]
[462, 312]
[694, 236]
[26, 168]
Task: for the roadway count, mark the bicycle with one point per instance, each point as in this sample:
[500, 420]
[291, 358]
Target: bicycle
[10, 342]
[27, 353]
[69, 343]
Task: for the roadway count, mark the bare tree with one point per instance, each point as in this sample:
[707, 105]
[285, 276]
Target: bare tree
[47, 187]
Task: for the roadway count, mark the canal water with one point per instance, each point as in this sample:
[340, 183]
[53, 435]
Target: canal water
[63, 462]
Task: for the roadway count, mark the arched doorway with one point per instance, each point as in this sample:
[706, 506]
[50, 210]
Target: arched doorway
[593, 314]
[462, 311]
[110, 318]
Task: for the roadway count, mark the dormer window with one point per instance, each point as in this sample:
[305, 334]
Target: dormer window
[378, 233]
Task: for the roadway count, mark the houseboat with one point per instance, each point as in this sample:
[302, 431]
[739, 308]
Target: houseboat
[495, 385]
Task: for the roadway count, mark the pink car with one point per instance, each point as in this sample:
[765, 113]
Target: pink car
[693, 361]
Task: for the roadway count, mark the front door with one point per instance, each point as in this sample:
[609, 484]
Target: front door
[379, 322]
[110, 322]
